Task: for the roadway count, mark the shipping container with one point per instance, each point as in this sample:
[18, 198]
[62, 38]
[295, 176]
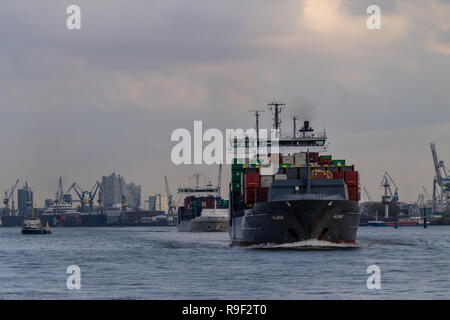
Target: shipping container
[300, 159]
[287, 160]
[325, 161]
[280, 177]
[353, 193]
[236, 187]
[338, 175]
[321, 174]
[236, 176]
[338, 162]
[250, 195]
[313, 157]
[266, 181]
[251, 180]
[351, 178]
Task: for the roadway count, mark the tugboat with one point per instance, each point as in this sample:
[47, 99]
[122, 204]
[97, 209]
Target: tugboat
[33, 225]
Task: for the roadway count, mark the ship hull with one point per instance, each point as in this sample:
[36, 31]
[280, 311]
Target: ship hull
[204, 224]
[35, 231]
[298, 220]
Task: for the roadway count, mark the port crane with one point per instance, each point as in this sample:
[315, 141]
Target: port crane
[8, 197]
[440, 180]
[388, 194]
[91, 194]
[81, 195]
[170, 203]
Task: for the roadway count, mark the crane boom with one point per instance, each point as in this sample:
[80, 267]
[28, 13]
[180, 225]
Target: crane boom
[367, 194]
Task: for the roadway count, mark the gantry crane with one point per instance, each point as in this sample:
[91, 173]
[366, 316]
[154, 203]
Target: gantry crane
[8, 197]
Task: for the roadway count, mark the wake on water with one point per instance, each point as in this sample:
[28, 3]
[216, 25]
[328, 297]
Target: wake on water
[312, 244]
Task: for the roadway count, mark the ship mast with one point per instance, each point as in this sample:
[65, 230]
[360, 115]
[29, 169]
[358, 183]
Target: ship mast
[256, 114]
[276, 108]
[294, 120]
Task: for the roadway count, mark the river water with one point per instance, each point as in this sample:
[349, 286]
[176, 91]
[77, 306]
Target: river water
[161, 263]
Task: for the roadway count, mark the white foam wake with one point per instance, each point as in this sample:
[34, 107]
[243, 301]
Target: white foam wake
[312, 244]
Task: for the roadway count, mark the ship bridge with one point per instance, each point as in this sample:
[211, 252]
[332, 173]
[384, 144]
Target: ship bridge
[304, 141]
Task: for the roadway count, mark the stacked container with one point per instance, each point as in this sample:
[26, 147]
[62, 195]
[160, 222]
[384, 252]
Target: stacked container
[352, 181]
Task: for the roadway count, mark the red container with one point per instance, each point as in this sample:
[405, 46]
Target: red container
[353, 193]
[351, 178]
[314, 157]
[251, 180]
[338, 175]
[325, 161]
[250, 195]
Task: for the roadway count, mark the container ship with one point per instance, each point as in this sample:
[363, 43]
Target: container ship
[203, 210]
[312, 196]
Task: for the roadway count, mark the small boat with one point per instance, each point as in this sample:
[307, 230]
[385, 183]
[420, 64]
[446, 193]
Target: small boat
[33, 225]
[405, 222]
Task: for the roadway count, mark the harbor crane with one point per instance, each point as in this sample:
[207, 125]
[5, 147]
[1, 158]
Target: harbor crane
[91, 194]
[440, 180]
[81, 195]
[367, 194]
[170, 203]
[86, 198]
[426, 194]
[8, 197]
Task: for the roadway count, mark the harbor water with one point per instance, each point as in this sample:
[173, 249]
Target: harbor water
[161, 263]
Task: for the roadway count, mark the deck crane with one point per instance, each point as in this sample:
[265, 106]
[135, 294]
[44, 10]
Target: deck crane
[123, 214]
[170, 203]
[8, 197]
[81, 195]
[441, 179]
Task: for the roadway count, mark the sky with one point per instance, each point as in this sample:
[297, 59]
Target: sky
[85, 103]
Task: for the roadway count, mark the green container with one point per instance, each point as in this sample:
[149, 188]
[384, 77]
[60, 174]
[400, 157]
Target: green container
[239, 161]
[237, 187]
[236, 166]
[338, 162]
[236, 176]
[325, 157]
[285, 165]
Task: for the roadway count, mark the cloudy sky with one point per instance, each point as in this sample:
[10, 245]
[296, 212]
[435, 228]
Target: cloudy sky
[84, 103]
